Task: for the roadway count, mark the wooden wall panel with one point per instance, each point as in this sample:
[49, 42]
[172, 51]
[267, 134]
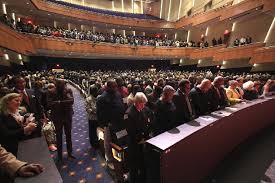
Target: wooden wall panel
[14, 41]
[201, 53]
[263, 55]
[245, 51]
[86, 47]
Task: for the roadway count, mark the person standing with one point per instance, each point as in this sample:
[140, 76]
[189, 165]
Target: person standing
[136, 122]
[30, 103]
[61, 105]
[110, 110]
[165, 111]
[200, 98]
[184, 109]
[91, 111]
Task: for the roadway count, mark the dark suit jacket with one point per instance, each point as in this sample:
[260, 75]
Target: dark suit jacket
[10, 133]
[200, 101]
[109, 109]
[34, 105]
[182, 113]
[61, 109]
[136, 126]
[217, 102]
[164, 117]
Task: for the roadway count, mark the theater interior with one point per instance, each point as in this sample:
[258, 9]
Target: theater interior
[146, 91]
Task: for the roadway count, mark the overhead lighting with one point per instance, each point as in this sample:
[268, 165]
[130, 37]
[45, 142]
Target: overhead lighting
[206, 32]
[13, 16]
[224, 62]
[113, 5]
[269, 31]
[122, 5]
[254, 65]
[188, 35]
[233, 27]
[161, 4]
[4, 8]
[199, 62]
[6, 56]
[141, 7]
[179, 9]
[19, 56]
[133, 7]
[169, 11]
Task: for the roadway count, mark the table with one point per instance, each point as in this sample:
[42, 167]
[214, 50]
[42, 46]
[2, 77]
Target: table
[191, 151]
[36, 151]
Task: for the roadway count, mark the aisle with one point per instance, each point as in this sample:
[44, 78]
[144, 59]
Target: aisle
[88, 167]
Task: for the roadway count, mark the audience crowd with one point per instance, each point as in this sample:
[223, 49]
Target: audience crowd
[142, 102]
[243, 41]
[96, 37]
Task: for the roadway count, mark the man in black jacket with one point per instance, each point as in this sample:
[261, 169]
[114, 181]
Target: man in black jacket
[30, 102]
[184, 109]
[110, 110]
[217, 95]
[200, 97]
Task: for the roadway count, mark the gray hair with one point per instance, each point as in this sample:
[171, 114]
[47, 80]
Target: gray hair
[248, 85]
[140, 97]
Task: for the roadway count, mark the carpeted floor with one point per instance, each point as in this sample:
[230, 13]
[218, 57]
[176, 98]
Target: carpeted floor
[88, 167]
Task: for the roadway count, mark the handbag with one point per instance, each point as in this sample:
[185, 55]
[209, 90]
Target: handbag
[48, 130]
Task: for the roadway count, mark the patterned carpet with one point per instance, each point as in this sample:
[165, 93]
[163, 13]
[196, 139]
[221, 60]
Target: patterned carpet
[89, 166]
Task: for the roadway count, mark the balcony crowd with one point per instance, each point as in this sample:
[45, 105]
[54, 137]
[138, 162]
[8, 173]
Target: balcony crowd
[97, 37]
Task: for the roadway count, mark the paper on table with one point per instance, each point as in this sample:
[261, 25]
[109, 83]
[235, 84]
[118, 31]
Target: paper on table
[232, 109]
[205, 119]
[221, 113]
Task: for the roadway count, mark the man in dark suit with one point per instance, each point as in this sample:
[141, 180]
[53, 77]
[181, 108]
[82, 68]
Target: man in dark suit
[184, 109]
[217, 94]
[200, 98]
[30, 102]
[110, 110]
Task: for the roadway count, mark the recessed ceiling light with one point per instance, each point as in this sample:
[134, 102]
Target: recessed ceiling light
[27, 3]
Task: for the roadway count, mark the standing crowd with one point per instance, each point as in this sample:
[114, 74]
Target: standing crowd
[137, 105]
